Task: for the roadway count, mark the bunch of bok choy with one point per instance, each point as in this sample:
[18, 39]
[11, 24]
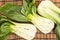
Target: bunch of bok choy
[27, 13]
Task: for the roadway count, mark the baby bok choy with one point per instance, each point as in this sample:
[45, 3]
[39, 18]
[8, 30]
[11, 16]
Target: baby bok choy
[28, 10]
[49, 10]
[27, 31]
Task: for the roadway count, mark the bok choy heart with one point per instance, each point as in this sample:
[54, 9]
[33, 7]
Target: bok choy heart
[26, 31]
[28, 10]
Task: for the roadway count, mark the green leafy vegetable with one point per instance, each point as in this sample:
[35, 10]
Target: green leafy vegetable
[5, 30]
[49, 10]
[4, 27]
[28, 10]
[14, 12]
[27, 31]
[24, 30]
[24, 13]
[57, 30]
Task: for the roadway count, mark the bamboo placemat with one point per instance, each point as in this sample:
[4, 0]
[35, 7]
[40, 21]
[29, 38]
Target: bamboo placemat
[39, 35]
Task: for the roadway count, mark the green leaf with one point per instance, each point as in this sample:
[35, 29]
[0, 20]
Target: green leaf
[5, 30]
[3, 19]
[57, 30]
[34, 9]
[13, 12]
[25, 8]
[4, 27]
[56, 37]
[28, 7]
[3, 38]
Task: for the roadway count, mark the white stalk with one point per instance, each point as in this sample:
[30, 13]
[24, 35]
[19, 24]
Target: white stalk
[43, 24]
[50, 5]
[27, 31]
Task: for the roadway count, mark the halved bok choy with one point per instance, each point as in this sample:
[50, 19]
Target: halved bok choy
[28, 12]
[24, 30]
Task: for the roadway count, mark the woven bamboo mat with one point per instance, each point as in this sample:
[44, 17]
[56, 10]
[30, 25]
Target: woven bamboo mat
[39, 35]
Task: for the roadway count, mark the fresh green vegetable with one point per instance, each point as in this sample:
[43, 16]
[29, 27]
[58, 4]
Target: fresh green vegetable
[4, 30]
[24, 30]
[47, 9]
[57, 30]
[27, 31]
[29, 11]
[13, 12]
[4, 27]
